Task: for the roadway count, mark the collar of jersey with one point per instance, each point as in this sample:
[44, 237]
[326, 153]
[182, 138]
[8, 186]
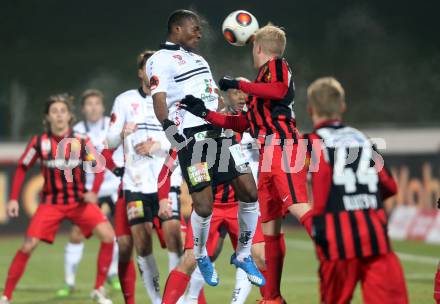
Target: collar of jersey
[141, 92]
[170, 46]
[330, 123]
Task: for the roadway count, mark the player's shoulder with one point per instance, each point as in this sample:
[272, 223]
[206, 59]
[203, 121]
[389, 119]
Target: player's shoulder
[79, 127]
[161, 55]
[127, 95]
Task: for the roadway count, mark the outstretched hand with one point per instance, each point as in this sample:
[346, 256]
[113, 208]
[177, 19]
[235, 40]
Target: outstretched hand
[194, 105]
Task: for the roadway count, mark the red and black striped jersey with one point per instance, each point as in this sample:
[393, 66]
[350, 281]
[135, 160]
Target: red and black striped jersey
[269, 106]
[349, 183]
[269, 109]
[62, 163]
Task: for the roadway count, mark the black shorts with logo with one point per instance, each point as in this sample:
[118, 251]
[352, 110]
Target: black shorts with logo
[206, 158]
[141, 207]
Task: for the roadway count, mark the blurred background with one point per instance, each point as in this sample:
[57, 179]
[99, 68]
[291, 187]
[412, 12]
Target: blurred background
[385, 53]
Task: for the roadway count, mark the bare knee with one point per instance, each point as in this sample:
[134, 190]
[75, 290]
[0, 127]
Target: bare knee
[203, 209]
[142, 238]
[105, 232]
[29, 245]
[75, 236]
[125, 244]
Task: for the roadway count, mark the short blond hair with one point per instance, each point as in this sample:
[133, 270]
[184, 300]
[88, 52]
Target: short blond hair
[271, 39]
[91, 93]
[327, 96]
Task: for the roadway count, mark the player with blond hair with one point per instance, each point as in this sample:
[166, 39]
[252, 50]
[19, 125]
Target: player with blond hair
[349, 184]
[270, 119]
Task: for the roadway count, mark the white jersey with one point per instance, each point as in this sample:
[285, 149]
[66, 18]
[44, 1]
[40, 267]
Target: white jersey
[178, 72]
[141, 172]
[97, 133]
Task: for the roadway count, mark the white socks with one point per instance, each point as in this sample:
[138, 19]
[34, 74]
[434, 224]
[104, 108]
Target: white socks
[195, 286]
[200, 227]
[150, 277]
[242, 287]
[113, 270]
[173, 260]
[247, 222]
[72, 256]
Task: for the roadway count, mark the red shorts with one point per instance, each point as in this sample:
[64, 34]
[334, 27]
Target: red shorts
[282, 180]
[159, 231]
[224, 215]
[46, 220]
[381, 278]
[122, 228]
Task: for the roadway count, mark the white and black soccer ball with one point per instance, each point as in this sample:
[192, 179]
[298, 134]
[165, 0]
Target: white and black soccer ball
[239, 27]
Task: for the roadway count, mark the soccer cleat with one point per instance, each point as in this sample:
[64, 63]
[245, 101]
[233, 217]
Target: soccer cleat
[100, 296]
[113, 281]
[66, 291]
[4, 300]
[248, 265]
[208, 271]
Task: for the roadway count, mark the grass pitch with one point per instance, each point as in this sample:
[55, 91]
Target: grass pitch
[44, 274]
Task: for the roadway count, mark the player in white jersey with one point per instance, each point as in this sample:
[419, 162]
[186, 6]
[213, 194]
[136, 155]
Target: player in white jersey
[175, 72]
[95, 125]
[134, 125]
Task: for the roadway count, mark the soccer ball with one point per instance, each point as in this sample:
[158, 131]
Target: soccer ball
[239, 27]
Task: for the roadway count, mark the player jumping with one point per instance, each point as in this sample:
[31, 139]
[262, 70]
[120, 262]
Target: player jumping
[205, 160]
[270, 120]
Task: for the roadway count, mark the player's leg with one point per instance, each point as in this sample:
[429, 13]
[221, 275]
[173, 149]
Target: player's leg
[437, 285]
[18, 266]
[173, 240]
[73, 253]
[196, 162]
[380, 288]
[126, 267]
[107, 206]
[43, 226]
[91, 220]
[338, 280]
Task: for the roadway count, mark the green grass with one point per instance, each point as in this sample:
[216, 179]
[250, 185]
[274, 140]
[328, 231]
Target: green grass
[300, 285]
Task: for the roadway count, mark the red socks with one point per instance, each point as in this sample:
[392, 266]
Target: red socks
[306, 221]
[104, 260]
[175, 287]
[15, 272]
[201, 299]
[127, 278]
[275, 250]
[437, 287]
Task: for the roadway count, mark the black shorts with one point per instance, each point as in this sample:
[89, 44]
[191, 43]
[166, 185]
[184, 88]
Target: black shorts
[107, 200]
[141, 207]
[207, 161]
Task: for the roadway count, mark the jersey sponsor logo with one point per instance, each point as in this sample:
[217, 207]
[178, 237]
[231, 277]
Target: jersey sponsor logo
[62, 164]
[179, 57]
[154, 82]
[135, 210]
[135, 107]
[198, 173]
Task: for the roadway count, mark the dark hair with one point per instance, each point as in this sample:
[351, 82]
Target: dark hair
[64, 98]
[143, 57]
[89, 93]
[178, 16]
